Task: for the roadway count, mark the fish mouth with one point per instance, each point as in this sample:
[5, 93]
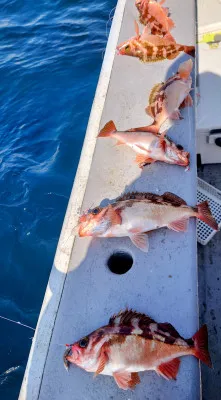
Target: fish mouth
[66, 354]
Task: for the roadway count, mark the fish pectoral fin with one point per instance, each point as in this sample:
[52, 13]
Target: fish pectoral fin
[179, 225]
[126, 380]
[170, 369]
[103, 358]
[118, 143]
[141, 159]
[140, 240]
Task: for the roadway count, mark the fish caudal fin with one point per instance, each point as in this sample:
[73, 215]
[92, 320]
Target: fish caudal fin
[190, 50]
[205, 215]
[107, 130]
[185, 69]
[201, 346]
[170, 369]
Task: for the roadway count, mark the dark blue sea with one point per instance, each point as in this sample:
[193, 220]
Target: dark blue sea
[51, 53]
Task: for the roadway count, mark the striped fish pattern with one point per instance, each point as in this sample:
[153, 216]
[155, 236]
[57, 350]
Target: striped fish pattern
[154, 16]
[151, 48]
[134, 342]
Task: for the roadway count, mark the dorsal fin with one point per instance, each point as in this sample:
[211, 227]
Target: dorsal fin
[154, 91]
[155, 198]
[125, 318]
[167, 198]
[173, 199]
[131, 322]
[153, 40]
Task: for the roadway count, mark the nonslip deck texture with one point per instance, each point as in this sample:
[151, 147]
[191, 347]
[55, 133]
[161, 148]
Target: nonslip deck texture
[162, 283]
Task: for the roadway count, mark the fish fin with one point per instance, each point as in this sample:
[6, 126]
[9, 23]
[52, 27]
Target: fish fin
[141, 159]
[103, 358]
[125, 317]
[149, 112]
[171, 24]
[173, 199]
[176, 115]
[169, 39]
[185, 69]
[114, 215]
[188, 101]
[154, 91]
[126, 380]
[119, 142]
[135, 380]
[162, 2]
[165, 10]
[190, 50]
[107, 130]
[140, 240]
[151, 39]
[179, 225]
[201, 346]
[137, 31]
[205, 215]
[169, 369]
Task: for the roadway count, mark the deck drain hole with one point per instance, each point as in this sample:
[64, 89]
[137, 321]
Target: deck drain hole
[120, 262]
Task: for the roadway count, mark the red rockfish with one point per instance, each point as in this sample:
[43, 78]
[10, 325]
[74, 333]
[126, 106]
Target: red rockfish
[151, 48]
[150, 146]
[133, 342]
[154, 16]
[135, 214]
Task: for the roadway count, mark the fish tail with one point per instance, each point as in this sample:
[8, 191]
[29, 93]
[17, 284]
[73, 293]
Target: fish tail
[201, 346]
[205, 215]
[190, 50]
[185, 69]
[107, 130]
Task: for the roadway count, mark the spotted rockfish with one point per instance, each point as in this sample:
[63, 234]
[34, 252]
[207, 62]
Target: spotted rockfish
[154, 16]
[133, 342]
[151, 48]
[135, 214]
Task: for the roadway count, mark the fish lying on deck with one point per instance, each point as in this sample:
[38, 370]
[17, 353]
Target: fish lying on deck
[133, 342]
[151, 48]
[150, 146]
[154, 16]
[167, 98]
[135, 214]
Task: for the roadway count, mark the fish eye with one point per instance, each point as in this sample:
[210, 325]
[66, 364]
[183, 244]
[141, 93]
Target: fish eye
[179, 147]
[95, 211]
[83, 342]
[127, 47]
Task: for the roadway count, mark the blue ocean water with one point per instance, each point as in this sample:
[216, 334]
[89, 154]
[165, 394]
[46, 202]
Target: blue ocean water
[51, 53]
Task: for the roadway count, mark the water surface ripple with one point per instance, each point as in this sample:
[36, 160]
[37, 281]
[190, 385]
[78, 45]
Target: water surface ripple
[50, 58]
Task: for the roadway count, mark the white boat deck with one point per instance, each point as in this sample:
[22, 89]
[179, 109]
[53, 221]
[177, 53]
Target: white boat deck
[82, 292]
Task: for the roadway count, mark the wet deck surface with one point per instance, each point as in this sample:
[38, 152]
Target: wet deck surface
[209, 262]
